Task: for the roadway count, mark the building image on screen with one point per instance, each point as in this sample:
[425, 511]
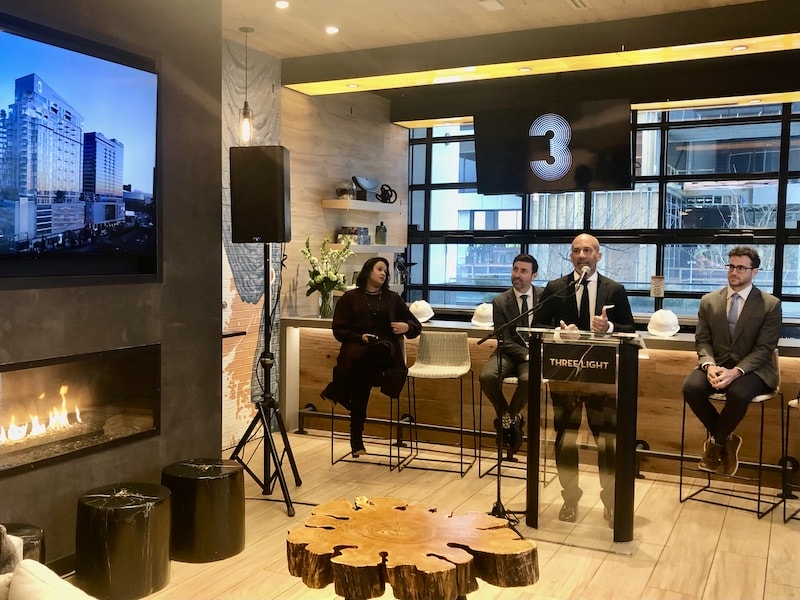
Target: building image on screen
[77, 158]
[558, 147]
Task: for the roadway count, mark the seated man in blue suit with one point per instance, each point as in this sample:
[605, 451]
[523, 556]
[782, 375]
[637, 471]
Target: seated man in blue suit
[738, 327]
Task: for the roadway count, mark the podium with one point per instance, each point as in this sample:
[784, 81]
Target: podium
[584, 359]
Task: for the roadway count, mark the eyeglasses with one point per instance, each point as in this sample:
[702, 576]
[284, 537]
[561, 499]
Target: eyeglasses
[738, 268]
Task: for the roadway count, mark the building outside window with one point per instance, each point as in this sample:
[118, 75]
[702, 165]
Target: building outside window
[705, 180]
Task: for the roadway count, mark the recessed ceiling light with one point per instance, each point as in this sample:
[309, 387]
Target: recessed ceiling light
[331, 30]
[352, 86]
[525, 69]
[754, 101]
[739, 48]
[281, 4]
[491, 5]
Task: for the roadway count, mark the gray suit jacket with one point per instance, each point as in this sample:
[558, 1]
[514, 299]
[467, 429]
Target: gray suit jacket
[754, 339]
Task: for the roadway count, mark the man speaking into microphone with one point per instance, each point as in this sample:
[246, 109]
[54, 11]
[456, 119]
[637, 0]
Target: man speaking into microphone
[587, 301]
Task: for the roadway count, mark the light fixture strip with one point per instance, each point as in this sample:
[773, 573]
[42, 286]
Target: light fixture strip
[699, 103]
[623, 58]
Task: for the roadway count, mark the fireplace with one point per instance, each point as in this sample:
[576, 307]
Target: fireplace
[60, 408]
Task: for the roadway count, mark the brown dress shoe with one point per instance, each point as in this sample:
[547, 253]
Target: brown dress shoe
[712, 456]
[729, 458]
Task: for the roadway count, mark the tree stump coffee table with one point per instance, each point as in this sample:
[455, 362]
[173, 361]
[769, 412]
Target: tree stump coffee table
[423, 554]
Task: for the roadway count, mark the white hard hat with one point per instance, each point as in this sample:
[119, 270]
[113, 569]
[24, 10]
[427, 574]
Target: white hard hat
[483, 316]
[663, 323]
[422, 310]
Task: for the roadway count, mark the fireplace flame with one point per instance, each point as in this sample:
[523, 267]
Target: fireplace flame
[57, 419]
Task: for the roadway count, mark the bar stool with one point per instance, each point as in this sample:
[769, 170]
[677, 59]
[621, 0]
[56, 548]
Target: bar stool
[396, 422]
[758, 495]
[395, 455]
[443, 355]
[517, 469]
[789, 467]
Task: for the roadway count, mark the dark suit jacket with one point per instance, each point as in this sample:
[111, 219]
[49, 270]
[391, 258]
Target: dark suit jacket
[557, 303]
[504, 309]
[754, 339]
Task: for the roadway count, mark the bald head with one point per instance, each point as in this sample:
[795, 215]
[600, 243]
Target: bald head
[585, 251]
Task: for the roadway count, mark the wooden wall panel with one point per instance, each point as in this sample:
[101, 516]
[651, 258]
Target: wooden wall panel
[660, 403]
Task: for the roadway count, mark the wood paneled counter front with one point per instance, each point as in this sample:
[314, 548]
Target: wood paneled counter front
[309, 351]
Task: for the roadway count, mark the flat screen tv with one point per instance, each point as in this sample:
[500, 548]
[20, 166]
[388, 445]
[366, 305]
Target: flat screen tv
[78, 130]
[554, 147]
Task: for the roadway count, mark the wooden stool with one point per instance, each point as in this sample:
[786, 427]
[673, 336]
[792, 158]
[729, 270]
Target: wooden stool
[32, 539]
[207, 508]
[122, 540]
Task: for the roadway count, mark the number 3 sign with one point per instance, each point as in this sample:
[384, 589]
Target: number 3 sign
[557, 130]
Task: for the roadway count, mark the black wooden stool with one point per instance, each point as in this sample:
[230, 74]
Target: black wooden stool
[32, 539]
[122, 540]
[207, 508]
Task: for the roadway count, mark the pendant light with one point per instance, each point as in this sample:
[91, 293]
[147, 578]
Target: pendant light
[245, 115]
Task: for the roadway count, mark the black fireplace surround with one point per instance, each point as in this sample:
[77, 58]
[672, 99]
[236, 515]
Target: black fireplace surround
[82, 403]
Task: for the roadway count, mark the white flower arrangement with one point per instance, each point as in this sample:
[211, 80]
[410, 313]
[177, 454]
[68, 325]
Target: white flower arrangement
[324, 276]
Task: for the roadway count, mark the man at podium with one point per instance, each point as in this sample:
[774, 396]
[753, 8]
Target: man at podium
[587, 301]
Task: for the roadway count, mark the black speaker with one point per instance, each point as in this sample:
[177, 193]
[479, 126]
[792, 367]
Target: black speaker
[260, 210]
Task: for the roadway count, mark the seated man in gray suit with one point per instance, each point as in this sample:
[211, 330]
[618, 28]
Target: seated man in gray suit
[513, 360]
[737, 332]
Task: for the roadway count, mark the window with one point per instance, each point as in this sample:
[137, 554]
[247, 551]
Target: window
[705, 180]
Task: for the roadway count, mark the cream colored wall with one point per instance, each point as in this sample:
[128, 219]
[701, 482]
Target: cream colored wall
[243, 264]
[330, 139]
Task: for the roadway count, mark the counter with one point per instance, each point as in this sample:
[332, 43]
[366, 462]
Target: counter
[309, 352]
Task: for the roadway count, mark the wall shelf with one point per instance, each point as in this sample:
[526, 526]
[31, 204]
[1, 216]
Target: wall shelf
[363, 205]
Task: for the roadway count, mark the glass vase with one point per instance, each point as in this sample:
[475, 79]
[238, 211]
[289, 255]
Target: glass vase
[325, 305]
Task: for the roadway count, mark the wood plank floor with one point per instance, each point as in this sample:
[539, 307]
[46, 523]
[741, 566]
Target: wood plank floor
[681, 551]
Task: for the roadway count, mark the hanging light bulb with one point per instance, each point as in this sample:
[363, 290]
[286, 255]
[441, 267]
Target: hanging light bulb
[244, 125]
[245, 115]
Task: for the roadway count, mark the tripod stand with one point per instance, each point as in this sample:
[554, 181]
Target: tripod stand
[267, 409]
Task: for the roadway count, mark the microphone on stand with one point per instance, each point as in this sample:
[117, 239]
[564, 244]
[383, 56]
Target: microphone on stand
[584, 272]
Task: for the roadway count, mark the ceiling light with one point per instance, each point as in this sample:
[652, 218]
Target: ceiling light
[739, 48]
[245, 115]
[579, 4]
[331, 30]
[491, 5]
[544, 66]
[281, 4]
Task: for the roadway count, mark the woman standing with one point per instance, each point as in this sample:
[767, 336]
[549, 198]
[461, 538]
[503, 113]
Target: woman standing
[370, 322]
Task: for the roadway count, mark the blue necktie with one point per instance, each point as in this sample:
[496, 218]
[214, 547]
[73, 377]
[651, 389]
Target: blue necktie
[733, 313]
